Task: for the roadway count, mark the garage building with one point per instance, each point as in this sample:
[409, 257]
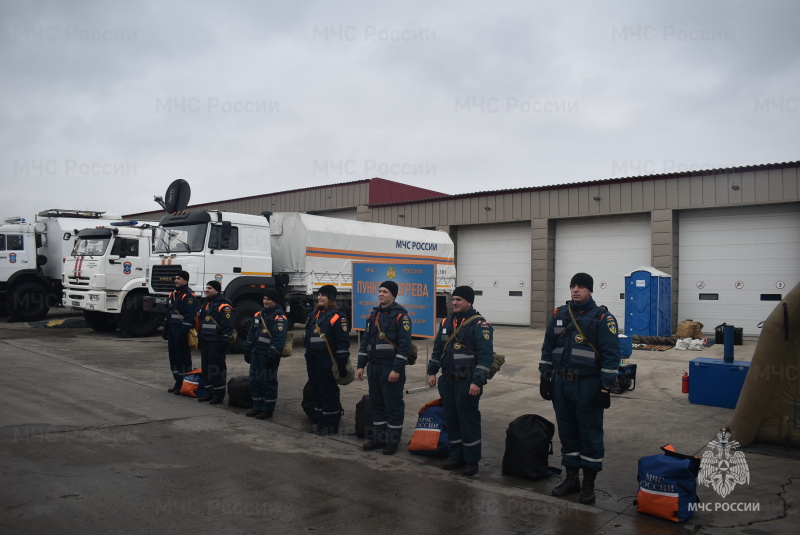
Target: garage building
[730, 238]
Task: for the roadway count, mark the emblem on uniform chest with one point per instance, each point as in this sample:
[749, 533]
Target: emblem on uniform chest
[579, 338]
[457, 345]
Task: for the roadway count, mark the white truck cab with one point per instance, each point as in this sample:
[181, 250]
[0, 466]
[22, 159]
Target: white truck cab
[106, 276]
[32, 257]
[231, 248]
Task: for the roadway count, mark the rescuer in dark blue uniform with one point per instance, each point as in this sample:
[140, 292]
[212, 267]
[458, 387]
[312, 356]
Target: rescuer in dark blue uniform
[178, 320]
[580, 362]
[463, 349]
[216, 330]
[327, 336]
[262, 350]
[385, 347]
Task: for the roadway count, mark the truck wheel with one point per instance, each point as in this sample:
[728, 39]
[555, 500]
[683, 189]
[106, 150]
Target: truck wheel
[27, 301]
[243, 312]
[100, 321]
[134, 321]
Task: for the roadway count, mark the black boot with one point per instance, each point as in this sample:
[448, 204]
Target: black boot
[587, 489]
[570, 484]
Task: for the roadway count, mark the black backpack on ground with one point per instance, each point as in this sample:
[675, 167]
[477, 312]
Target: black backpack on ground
[239, 392]
[308, 402]
[529, 444]
[364, 419]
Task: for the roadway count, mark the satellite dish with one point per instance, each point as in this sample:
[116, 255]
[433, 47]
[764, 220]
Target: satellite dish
[177, 197]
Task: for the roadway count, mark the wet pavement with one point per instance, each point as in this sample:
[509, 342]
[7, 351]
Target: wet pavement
[91, 441]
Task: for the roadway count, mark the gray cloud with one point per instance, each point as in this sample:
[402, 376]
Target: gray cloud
[105, 103]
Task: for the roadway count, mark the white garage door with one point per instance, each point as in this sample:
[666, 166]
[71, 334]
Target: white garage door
[607, 248]
[496, 261]
[736, 264]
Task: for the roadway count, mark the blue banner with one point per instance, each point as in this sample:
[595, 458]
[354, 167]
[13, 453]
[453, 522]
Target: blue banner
[416, 293]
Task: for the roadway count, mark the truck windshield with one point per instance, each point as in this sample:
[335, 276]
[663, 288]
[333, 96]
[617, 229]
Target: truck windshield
[90, 246]
[179, 239]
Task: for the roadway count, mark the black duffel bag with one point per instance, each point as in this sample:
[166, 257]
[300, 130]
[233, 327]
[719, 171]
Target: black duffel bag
[529, 444]
[738, 335]
[364, 419]
[239, 392]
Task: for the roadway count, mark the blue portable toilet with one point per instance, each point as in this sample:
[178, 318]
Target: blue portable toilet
[648, 302]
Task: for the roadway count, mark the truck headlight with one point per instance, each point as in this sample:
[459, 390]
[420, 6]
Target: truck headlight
[94, 298]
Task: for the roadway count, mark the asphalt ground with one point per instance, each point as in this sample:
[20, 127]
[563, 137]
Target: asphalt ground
[91, 440]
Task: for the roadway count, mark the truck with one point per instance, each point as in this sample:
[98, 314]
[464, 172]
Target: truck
[291, 252]
[309, 251]
[106, 276]
[32, 257]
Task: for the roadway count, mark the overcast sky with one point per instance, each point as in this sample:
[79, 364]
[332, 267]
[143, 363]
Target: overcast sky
[103, 104]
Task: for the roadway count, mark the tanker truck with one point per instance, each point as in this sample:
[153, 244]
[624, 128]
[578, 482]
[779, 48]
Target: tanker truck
[293, 253]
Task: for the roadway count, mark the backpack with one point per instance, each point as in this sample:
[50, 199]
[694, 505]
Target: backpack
[668, 485]
[497, 363]
[288, 346]
[364, 418]
[529, 444]
[239, 392]
[430, 435]
[193, 385]
[191, 339]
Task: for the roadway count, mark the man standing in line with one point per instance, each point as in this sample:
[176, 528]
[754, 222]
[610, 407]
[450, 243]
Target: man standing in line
[178, 320]
[463, 349]
[216, 331]
[580, 362]
[386, 345]
[262, 351]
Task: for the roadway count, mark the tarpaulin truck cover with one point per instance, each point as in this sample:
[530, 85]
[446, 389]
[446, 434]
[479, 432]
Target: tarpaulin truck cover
[316, 250]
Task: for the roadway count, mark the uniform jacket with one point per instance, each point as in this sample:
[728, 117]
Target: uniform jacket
[182, 308]
[333, 328]
[267, 331]
[396, 327]
[565, 350]
[220, 310]
[469, 354]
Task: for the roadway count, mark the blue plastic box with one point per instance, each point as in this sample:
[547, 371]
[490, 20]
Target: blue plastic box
[625, 346]
[715, 382]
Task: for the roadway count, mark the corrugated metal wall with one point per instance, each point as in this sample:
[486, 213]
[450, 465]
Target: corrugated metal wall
[660, 196]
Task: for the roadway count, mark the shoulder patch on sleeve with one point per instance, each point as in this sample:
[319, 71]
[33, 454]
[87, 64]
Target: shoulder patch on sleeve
[612, 324]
